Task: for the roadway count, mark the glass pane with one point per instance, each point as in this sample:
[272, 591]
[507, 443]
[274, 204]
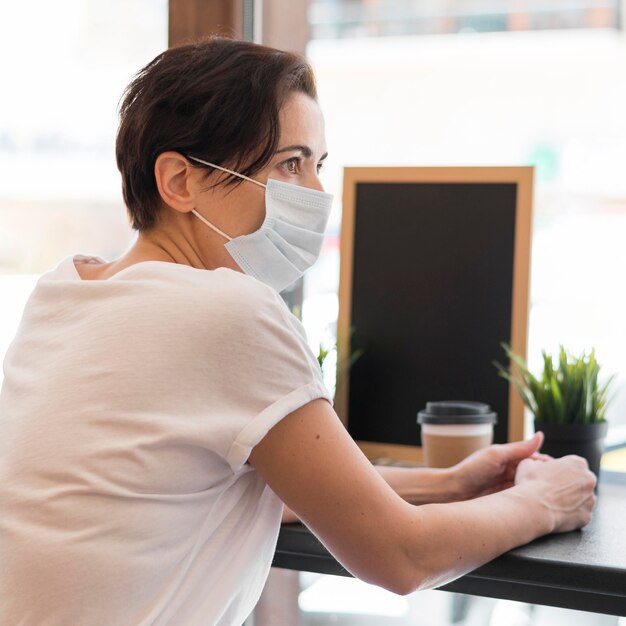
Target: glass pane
[554, 100]
[333, 19]
[65, 65]
[550, 99]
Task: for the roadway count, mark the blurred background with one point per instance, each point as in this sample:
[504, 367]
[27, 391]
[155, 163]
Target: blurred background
[401, 82]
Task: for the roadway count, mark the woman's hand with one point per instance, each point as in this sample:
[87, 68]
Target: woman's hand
[493, 468]
[565, 488]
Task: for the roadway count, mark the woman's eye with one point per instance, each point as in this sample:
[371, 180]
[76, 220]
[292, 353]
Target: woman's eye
[292, 165]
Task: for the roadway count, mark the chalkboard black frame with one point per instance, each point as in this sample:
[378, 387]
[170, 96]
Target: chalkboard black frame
[510, 188]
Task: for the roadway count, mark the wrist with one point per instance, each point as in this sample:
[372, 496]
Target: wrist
[441, 485]
[528, 493]
[421, 485]
[453, 490]
[460, 484]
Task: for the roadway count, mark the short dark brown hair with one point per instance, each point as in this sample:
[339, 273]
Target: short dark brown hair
[217, 99]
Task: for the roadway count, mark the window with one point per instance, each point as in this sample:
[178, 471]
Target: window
[65, 66]
[332, 19]
[546, 98]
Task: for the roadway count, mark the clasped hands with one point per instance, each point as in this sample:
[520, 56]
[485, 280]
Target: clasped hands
[494, 468]
[564, 486]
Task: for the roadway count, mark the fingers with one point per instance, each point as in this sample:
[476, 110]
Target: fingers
[537, 440]
[568, 491]
[523, 449]
[524, 463]
[527, 467]
[531, 446]
[590, 503]
[575, 459]
[584, 512]
[538, 456]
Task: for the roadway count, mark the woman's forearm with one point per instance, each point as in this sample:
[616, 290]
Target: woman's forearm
[420, 485]
[415, 485]
[448, 540]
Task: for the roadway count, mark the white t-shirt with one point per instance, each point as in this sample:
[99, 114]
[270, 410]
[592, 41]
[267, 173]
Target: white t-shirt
[128, 411]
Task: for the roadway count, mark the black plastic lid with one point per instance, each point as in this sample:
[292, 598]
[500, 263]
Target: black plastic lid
[457, 412]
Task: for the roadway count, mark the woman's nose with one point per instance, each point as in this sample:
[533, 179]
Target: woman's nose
[314, 182]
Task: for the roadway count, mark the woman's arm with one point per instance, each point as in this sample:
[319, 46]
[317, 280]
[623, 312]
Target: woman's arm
[417, 485]
[313, 465]
[486, 471]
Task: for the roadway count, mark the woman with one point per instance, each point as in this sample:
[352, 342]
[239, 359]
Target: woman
[159, 409]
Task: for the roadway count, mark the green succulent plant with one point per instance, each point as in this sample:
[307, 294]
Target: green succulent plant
[324, 351]
[567, 392]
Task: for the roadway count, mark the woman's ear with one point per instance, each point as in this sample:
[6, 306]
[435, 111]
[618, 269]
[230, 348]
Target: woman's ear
[174, 177]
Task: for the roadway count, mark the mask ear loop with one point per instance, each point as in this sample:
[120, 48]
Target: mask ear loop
[225, 169]
[215, 228]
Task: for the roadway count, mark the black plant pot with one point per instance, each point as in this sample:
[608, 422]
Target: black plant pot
[586, 440]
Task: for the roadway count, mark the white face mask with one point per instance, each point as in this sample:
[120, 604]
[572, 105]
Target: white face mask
[290, 238]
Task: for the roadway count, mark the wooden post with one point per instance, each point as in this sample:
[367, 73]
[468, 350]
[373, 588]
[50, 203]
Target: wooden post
[191, 19]
[286, 24]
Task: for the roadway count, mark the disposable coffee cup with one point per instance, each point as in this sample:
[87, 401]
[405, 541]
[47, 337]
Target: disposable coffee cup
[452, 430]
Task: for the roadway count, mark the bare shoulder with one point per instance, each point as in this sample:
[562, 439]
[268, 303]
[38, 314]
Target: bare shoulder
[95, 268]
[94, 271]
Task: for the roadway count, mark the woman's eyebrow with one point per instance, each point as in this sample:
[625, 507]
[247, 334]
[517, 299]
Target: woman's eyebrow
[306, 151]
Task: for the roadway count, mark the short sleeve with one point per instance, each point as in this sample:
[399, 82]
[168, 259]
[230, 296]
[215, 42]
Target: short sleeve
[262, 423]
[267, 370]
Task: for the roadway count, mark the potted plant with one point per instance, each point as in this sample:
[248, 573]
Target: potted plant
[328, 354]
[568, 402]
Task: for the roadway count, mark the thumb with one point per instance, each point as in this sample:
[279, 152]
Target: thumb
[524, 449]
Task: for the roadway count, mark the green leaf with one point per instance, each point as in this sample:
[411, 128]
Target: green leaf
[569, 393]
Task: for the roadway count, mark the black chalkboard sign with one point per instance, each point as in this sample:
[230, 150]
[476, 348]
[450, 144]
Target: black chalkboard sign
[430, 258]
